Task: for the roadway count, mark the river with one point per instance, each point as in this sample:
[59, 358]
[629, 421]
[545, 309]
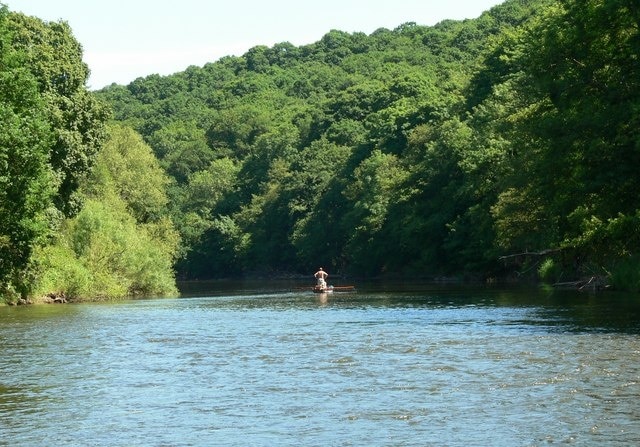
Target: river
[384, 366]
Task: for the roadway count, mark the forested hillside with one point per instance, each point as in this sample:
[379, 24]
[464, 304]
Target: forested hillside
[414, 151]
[507, 145]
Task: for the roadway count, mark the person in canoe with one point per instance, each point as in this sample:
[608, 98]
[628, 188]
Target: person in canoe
[321, 276]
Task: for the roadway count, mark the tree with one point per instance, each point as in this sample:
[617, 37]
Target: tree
[579, 133]
[26, 178]
[122, 242]
[316, 203]
[373, 189]
[202, 217]
[126, 165]
[103, 253]
[77, 118]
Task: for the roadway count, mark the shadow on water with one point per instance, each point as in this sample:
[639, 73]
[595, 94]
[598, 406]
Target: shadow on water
[557, 310]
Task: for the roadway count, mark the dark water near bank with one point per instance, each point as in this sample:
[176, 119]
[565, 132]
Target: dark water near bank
[385, 366]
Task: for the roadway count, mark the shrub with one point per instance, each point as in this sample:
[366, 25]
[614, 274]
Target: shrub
[104, 254]
[626, 274]
[549, 271]
[61, 272]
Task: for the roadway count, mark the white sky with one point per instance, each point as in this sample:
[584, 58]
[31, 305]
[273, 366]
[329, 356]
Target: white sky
[126, 39]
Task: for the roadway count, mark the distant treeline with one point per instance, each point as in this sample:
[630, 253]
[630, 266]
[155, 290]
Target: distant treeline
[503, 145]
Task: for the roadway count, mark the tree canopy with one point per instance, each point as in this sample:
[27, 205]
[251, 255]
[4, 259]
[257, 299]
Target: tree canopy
[51, 129]
[496, 146]
[413, 151]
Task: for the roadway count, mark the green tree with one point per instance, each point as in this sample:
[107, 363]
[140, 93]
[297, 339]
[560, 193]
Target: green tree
[122, 242]
[209, 235]
[317, 204]
[578, 134]
[54, 57]
[26, 178]
[371, 193]
[51, 129]
[432, 197]
[126, 165]
[121, 257]
[451, 144]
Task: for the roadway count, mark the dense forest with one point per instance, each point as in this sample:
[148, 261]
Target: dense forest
[498, 147]
[79, 196]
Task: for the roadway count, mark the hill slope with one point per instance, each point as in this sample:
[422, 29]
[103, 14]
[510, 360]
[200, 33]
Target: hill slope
[418, 150]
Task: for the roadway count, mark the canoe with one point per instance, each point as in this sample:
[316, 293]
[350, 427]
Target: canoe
[331, 289]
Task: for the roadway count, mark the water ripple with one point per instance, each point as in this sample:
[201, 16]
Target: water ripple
[288, 370]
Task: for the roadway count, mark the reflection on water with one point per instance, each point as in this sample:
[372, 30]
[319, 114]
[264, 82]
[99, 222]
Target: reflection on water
[419, 365]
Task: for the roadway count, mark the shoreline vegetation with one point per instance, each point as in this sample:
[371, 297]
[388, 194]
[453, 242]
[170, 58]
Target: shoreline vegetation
[496, 149]
[587, 285]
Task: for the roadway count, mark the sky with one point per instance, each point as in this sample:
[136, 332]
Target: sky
[127, 39]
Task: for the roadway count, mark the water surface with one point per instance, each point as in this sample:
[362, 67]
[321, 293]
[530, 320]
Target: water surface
[422, 366]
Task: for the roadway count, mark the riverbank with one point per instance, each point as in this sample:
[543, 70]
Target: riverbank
[289, 281]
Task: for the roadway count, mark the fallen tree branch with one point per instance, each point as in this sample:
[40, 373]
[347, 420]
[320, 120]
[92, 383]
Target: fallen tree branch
[594, 282]
[531, 253]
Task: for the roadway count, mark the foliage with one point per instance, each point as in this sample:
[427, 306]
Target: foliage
[418, 150]
[414, 151]
[107, 255]
[128, 167]
[50, 128]
[549, 271]
[577, 134]
[121, 243]
[625, 274]
[54, 57]
[371, 194]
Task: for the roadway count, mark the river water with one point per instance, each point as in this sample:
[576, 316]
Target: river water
[416, 366]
